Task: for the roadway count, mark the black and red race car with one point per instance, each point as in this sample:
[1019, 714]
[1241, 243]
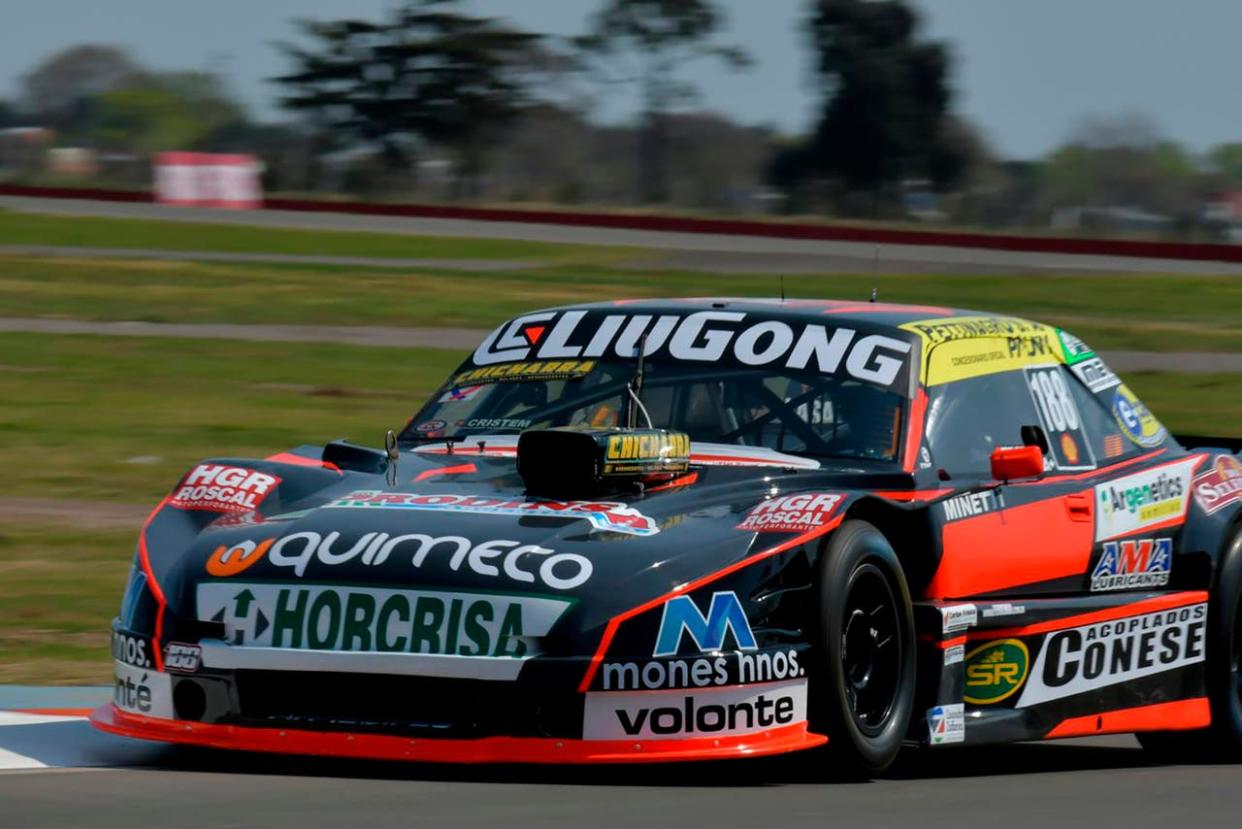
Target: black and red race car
[698, 529]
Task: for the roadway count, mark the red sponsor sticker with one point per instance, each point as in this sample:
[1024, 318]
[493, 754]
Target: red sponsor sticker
[791, 513]
[1220, 486]
[218, 488]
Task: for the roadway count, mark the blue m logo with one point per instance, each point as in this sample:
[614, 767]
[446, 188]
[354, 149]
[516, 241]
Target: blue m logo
[682, 615]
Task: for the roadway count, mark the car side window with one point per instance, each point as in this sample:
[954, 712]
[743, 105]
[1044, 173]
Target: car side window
[1094, 387]
[967, 419]
[1060, 412]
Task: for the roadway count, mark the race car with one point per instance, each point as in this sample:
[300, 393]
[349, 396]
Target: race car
[707, 528]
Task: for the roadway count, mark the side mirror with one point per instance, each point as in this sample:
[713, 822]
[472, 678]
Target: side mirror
[1013, 462]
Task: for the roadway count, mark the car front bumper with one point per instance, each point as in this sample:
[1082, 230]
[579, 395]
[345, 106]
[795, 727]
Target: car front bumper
[372, 746]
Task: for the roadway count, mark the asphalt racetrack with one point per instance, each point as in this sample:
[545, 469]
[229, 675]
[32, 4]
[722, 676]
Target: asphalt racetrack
[59, 772]
[1100, 782]
[679, 251]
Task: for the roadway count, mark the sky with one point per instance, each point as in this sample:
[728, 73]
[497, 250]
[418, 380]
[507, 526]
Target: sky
[1026, 73]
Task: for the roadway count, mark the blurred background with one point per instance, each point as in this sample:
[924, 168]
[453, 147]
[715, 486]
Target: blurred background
[228, 229]
[1103, 118]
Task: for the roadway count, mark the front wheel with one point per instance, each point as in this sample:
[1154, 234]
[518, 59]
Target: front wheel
[865, 695]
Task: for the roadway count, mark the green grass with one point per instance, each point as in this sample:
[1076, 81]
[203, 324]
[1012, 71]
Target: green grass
[17, 228]
[60, 590]
[120, 419]
[1149, 313]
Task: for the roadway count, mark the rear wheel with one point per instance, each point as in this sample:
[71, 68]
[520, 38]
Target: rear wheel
[1223, 739]
[865, 696]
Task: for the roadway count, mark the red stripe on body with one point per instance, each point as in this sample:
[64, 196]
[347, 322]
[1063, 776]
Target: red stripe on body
[914, 432]
[611, 630]
[460, 469]
[1180, 715]
[144, 558]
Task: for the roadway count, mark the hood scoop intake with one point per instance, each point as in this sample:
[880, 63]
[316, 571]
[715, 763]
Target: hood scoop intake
[574, 462]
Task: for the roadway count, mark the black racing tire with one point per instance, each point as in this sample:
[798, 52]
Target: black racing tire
[1222, 741]
[863, 688]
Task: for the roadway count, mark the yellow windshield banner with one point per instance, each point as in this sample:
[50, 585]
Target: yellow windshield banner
[959, 348]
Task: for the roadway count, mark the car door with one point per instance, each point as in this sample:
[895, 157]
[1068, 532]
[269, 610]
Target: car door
[1011, 538]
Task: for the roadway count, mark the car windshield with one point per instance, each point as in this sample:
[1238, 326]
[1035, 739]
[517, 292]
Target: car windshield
[798, 412]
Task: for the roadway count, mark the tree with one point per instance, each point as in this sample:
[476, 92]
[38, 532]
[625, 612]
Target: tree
[1227, 161]
[886, 99]
[8, 115]
[653, 39]
[426, 73]
[166, 111]
[58, 91]
[1121, 161]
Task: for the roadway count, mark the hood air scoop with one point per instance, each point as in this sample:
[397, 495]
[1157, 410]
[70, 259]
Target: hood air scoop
[572, 462]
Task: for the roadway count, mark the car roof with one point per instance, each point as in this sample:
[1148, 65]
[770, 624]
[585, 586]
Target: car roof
[836, 311]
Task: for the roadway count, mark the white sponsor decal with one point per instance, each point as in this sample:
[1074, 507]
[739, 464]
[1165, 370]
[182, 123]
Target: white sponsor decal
[500, 558]
[388, 621]
[603, 515]
[1145, 499]
[736, 668]
[705, 336]
[218, 488]
[947, 724]
[969, 505]
[132, 650]
[1096, 656]
[791, 513]
[142, 691]
[958, 617]
[179, 656]
[1095, 375]
[680, 715]
[954, 654]
[1003, 609]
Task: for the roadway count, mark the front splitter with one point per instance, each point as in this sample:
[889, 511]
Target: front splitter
[540, 750]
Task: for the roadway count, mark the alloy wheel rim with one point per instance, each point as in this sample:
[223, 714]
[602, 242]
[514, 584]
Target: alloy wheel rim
[871, 649]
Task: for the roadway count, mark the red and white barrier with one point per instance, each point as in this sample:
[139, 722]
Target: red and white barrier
[208, 180]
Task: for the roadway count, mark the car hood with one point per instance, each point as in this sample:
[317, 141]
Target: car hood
[451, 524]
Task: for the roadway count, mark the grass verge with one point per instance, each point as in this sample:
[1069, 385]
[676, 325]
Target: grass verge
[1147, 313]
[59, 592]
[18, 228]
[120, 419]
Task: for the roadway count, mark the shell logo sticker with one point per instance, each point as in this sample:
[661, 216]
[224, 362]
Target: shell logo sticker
[229, 561]
[995, 671]
[1069, 447]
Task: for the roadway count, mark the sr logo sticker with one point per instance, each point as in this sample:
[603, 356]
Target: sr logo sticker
[995, 671]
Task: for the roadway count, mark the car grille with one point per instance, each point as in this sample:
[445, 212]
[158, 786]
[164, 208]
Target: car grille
[424, 706]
